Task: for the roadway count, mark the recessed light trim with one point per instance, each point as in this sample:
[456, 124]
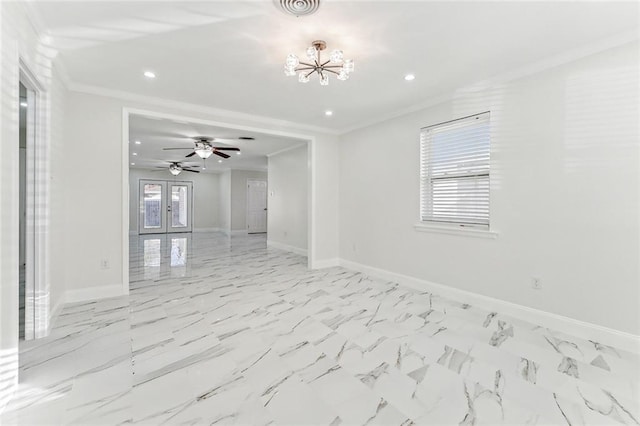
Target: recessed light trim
[138, 142]
[133, 164]
[150, 74]
[409, 77]
[328, 113]
[135, 153]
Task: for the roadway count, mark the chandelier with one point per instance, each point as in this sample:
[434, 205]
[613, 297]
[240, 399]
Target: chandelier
[336, 64]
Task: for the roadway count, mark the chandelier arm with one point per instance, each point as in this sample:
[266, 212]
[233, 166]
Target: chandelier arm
[312, 71]
[305, 68]
[307, 64]
[325, 63]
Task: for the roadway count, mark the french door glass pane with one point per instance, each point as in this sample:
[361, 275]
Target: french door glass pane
[179, 211]
[152, 206]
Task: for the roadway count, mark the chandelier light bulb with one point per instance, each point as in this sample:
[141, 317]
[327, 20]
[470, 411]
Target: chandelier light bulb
[289, 71]
[336, 56]
[303, 78]
[348, 65]
[292, 61]
[343, 75]
[312, 53]
[324, 80]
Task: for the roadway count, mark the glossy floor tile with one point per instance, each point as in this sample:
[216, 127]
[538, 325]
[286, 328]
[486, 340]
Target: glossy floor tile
[220, 330]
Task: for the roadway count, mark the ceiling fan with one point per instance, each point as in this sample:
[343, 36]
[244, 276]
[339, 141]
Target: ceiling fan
[204, 148]
[175, 168]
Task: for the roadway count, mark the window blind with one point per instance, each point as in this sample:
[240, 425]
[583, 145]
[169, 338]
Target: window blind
[454, 171]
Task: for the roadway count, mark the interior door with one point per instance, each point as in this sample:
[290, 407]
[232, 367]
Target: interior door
[179, 208]
[153, 207]
[256, 206]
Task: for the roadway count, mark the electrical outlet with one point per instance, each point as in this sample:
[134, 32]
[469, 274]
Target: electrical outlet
[104, 264]
[535, 283]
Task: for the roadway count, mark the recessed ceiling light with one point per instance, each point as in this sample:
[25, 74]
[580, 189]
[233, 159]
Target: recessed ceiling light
[238, 153]
[409, 77]
[138, 142]
[24, 104]
[149, 74]
[135, 153]
[328, 113]
[204, 168]
[133, 164]
[219, 161]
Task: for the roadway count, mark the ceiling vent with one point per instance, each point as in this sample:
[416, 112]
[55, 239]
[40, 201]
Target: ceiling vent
[298, 7]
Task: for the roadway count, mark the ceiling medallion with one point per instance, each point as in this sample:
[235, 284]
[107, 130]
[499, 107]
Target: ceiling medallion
[298, 8]
[342, 68]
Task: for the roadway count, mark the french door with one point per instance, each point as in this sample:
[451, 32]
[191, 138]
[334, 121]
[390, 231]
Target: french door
[165, 206]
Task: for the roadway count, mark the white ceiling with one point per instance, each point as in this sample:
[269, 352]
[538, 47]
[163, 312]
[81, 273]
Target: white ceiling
[230, 54]
[156, 133]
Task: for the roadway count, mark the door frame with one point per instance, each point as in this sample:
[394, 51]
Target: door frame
[37, 292]
[247, 203]
[311, 174]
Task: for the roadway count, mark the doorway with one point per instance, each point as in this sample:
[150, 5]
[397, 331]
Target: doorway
[256, 206]
[165, 207]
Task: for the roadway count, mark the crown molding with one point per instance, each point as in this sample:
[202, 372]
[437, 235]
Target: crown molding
[186, 106]
[289, 148]
[550, 62]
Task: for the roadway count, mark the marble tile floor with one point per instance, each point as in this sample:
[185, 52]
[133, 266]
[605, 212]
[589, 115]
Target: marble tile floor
[220, 330]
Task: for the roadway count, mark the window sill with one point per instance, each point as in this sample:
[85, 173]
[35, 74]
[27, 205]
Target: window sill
[455, 230]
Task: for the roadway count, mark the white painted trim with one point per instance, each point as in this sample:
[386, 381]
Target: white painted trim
[200, 230]
[289, 148]
[286, 247]
[582, 329]
[53, 314]
[125, 200]
[189, 107]
[93, 293]
[455, 230]
[325, 263]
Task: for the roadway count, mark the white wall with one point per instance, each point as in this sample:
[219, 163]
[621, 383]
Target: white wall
[564, 193]
[206, 197]
[288, 196]
[20, 40]
[94, 217]
[224, 210]
[239, 196]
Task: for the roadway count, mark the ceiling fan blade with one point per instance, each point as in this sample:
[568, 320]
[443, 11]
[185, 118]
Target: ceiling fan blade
[224, 148]
[190, 155]
[221, 154]
[169, 149]
[192, 171]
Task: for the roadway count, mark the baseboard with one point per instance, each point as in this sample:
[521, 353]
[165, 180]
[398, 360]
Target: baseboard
[582, 329]
[286, 247]
[93, 293]
[324, 263]
[53, 313]
[206, 230]
[239, 232]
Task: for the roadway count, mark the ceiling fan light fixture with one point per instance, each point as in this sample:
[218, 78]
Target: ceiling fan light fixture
[204, 151]
[174, 169]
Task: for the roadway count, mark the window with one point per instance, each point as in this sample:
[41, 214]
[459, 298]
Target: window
[454, 172]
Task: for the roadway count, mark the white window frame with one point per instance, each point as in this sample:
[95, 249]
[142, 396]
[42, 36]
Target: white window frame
[476, 226]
